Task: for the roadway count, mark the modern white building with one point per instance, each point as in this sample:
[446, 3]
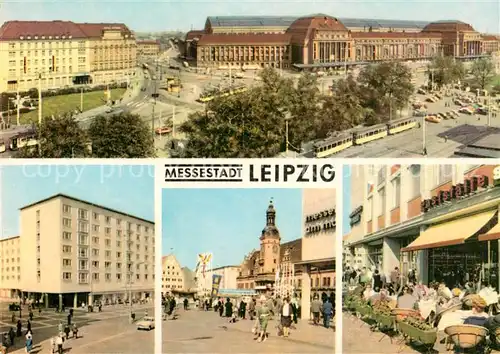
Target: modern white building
[229, 275]
[318, 244]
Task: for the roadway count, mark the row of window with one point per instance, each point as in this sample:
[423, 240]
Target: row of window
[172, 279]
[10, 277]
[84, 253]
[6, 269]
[83, 214]
[84, 277]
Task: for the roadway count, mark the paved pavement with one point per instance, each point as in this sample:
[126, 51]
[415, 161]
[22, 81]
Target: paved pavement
[108, 331]
[205, 332]
[375, 342]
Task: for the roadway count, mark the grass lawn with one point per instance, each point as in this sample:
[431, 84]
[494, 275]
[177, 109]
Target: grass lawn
[66, 103]
[495, 81]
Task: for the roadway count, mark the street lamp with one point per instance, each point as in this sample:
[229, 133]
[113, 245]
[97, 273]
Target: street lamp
[130, 290]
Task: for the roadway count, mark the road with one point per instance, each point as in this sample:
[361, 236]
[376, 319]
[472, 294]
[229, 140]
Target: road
[205, 332]
[459, 132]
[105, 332]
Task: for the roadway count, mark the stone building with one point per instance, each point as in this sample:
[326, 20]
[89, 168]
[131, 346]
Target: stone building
[322, 41]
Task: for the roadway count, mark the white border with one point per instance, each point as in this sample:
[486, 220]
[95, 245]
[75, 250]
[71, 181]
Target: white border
[338, 259]
[158, 345]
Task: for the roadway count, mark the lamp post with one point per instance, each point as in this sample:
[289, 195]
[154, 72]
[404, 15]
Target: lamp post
[130, 291]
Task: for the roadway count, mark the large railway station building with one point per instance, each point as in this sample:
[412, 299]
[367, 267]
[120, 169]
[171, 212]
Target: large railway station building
[323, 41]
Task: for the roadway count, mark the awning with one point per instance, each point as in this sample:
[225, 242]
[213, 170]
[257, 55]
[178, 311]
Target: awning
[493, 234]
[450, 233]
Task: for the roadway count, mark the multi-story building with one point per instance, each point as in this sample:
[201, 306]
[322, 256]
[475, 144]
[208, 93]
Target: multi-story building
[55, 54]
[317, 262]
[440, 220]
[491, 43]
[74, 252]
[147, 49]
[228, 275]
[172, 274]
[322, 41]
[10, 267]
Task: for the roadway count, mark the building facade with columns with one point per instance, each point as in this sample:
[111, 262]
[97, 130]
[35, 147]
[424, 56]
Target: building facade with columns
[318, 246]
[56, 54]
[10, 268]
[75, 252]
[440, 220]
[323, 41]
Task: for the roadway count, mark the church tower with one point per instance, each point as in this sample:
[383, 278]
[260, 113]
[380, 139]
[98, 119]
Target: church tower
[270, 243]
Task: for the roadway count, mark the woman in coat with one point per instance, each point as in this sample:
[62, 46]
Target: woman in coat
[229, 308]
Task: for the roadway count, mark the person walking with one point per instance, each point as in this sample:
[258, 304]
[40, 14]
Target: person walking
[263, 314]
[67, 331]
[221, 307]
[185, 304]
[327, 312]
[75, 331]
[286, 317]
[29, 342]
[316, 309]
[295, 309]
[251, 309]
[19, 328]
[59, 344]
[229, 308]
[12, 336]
[28, 326]
[243, 309]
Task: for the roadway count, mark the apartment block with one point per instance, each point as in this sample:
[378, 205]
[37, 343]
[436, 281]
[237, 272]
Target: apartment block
[56, 54]
[10, 267]
[75, 252]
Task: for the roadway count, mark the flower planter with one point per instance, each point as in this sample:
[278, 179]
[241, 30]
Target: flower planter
[385, 321]
[364, 310]
[425, 337]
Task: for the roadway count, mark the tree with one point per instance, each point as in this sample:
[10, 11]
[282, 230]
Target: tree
[304, 108]
[342, 110]
[122, 135]
[385, 88]
[59, 138]
[233, 127]
[445, 70]
[483, 71]
[253, 124]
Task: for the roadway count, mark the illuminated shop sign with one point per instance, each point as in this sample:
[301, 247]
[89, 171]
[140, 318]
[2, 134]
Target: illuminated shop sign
[459, 191]
[322, 221]
[355, 216]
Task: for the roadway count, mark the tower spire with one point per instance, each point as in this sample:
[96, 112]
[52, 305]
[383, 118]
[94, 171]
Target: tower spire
[271, 214]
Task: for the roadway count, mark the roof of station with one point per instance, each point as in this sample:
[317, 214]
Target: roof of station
[286, 21]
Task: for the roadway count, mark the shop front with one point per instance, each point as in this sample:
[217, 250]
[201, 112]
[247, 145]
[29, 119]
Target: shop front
[458, 241]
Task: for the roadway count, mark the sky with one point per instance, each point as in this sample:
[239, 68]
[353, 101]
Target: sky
[346, 199]
[129, 189]
[224, 222]
[162, 15]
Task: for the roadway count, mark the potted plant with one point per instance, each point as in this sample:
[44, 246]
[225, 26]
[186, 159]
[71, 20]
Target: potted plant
[415, 328]
[382, 314]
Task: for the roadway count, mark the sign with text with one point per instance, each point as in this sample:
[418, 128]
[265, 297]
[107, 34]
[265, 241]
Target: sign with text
[458, 191]
[249, 173]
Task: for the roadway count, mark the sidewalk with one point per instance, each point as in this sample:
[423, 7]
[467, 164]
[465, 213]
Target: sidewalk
[303, 333]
